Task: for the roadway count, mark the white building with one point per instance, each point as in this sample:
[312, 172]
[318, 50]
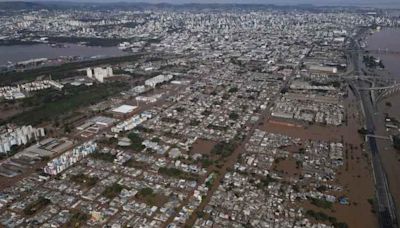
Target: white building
[132, 122]
[19, 136]
[152, 82]
[59, 164]
[99, 73]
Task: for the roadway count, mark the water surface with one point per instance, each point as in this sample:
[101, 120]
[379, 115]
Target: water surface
[17, 53]
[388, 38]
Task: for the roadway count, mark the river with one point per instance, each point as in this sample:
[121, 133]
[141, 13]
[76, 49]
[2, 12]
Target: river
[16, 53]
[387, 38]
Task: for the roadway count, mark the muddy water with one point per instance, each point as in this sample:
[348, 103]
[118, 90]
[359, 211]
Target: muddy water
[355, 176]
[390, 156]
[17, 53]
[387, 39]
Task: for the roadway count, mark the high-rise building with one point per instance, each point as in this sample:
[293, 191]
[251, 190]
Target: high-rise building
[99, 73]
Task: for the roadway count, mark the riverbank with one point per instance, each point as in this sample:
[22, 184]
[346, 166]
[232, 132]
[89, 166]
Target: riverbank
[387, 39]
[18, 53]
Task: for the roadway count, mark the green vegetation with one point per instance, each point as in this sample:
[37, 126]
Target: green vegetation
[56, 104]
[136, 141]
[218, 128]
[84, 180]
[36, 206]
[233, 116]
[224, 149]
[372, 62]
[211, 180]
[150, 197]
[396, 142]
[77, 219]
[322, 188]
[321, 203]
[206, 113]
[321, 216]
[233, 90]
[146, 192]
[176, 173]
[108, 141]
[112, 190]
[362, 131]
[372, 202]
[169, 120]
[16, 42]
[61, 71]
[206, 162]
[107, 157]
[194, 123]
[265, 181]
[135, 164]
[200, 214]
[335, 84]
[225, 96]
[105, 42]
[143, 129]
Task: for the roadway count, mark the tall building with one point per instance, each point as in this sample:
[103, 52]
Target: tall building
[99, 73]
[19, 136]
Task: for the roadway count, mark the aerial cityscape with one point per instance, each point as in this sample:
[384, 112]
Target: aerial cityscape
[124, 114]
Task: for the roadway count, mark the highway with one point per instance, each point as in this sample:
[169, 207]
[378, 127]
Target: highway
[385, 206]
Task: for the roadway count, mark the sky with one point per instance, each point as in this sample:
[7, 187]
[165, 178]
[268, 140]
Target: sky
[375, 3]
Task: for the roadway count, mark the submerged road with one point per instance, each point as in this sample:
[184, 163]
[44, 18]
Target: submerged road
[386, 208]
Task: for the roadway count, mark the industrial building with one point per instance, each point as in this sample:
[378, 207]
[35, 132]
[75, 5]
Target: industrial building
[124, 109]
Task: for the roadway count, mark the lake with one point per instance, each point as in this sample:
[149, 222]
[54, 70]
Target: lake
[16, 53]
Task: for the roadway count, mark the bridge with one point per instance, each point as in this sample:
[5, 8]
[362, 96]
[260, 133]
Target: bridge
[378, 93]
[379, 137]
[383, 52]
[377, 51]
[370, 78]
[382, 88]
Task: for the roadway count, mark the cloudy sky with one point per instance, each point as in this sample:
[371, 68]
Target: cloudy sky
[376, 3]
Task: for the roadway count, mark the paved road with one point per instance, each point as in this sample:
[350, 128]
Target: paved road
[386, 207]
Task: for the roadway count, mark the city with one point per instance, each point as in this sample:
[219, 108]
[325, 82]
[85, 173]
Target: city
[162, 115]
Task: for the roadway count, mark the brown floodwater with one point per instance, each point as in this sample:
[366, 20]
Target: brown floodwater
[387, 39]
[356, 174]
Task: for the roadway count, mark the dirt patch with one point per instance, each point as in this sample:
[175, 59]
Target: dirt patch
[202, 146]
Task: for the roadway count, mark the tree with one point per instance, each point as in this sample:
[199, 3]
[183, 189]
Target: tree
[396, 142]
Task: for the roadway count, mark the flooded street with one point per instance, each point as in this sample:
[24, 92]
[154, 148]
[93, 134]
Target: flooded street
[388, 39]
[356, 174]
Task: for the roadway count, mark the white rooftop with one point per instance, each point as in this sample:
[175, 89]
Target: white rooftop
[124, 109]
